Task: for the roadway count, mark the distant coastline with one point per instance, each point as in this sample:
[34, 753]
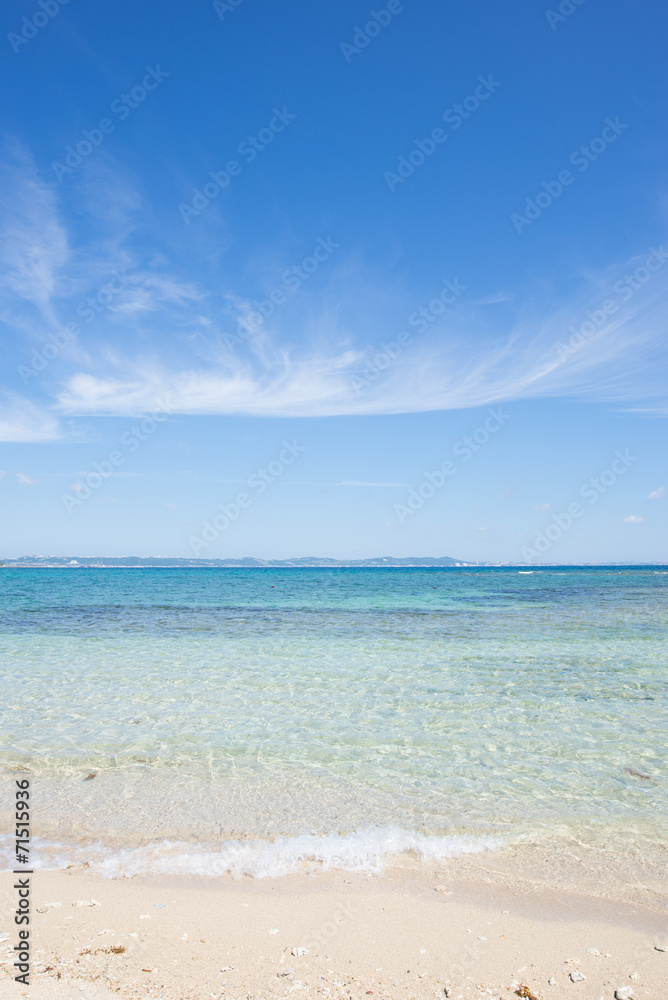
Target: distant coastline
[165, 562]
[305, 562]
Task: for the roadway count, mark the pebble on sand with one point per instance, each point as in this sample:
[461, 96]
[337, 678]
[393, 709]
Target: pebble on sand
[625, 993]
[524, 991]
[576, 976]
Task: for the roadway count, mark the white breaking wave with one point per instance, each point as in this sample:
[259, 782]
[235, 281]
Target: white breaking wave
[365, 851]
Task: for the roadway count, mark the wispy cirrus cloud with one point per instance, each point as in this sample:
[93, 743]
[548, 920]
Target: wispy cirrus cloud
[23, 422]
[34, 248]
[163, 334]
[56, 269]
[625, 361]
[303, 360]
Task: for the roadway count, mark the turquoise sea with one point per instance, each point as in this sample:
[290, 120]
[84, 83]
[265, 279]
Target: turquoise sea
[253, 720]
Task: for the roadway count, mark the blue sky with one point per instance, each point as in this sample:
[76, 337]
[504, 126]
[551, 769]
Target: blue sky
[351, 232]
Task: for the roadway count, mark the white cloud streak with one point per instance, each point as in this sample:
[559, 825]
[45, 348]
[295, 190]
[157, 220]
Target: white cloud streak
[34, 248]
[622, 363]
[160, 338]
[22, 422]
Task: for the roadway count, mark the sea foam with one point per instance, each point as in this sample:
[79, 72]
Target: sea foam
[365, 851]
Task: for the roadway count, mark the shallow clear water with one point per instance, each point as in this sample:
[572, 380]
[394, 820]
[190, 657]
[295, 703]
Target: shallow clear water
[217, 705]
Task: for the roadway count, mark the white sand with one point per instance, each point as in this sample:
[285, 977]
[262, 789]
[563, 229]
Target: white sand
[409, 934]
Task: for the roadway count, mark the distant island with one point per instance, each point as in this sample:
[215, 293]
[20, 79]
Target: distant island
[141, 562]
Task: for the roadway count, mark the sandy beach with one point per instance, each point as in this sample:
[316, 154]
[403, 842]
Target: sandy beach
[464, 930]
